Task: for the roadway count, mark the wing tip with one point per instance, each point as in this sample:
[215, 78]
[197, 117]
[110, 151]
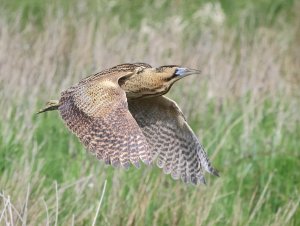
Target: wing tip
[214, 172]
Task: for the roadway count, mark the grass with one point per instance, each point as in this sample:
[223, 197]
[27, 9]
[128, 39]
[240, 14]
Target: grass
[244, 107]
[252, 13]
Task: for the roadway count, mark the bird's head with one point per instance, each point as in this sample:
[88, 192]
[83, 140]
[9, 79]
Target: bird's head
[148, 81]
[172, 73]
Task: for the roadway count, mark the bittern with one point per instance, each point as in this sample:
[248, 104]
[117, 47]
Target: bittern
[122, 117]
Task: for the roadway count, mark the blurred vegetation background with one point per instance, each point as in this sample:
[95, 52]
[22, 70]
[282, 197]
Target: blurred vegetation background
[244, 108]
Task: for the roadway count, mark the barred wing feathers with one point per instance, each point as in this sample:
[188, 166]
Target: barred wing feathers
[173, 144]
[96, 111]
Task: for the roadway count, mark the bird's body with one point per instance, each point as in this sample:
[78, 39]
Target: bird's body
[121, 116]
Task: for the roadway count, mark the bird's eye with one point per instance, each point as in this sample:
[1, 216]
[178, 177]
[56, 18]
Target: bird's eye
[179, 71]
[182, 71]
[176, 72]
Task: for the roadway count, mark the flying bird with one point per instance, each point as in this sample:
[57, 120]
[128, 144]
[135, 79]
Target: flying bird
[121, 116]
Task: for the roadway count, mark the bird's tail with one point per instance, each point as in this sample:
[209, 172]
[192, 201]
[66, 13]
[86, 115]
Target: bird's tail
[50, 106]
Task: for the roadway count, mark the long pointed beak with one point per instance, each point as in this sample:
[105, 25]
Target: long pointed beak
[182, 71]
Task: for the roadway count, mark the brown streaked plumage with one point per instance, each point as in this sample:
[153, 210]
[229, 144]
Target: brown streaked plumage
[121, 117]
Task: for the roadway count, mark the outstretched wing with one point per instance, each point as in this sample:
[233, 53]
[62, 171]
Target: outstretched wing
[172, 142]
[96, 110]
